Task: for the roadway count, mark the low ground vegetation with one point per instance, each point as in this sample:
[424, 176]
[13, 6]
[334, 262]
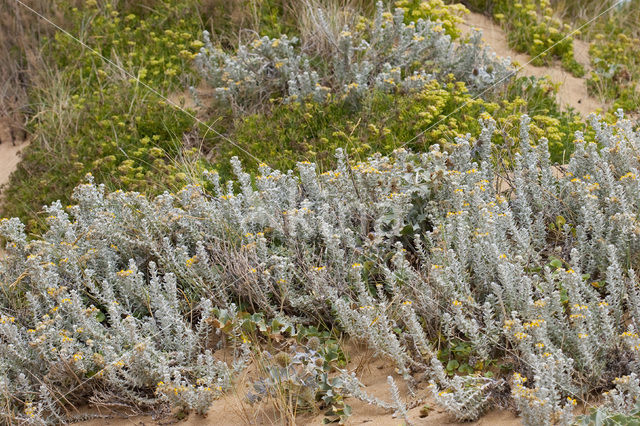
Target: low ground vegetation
[546, 30]
[388, 182]
[395, 251]
[615, 59]
[135, 136]
[383, 121]
[383, 53]
[532, 28]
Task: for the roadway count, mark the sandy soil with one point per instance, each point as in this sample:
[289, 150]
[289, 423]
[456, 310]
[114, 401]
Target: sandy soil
[573, 90]
[9, 152]
[233, 409]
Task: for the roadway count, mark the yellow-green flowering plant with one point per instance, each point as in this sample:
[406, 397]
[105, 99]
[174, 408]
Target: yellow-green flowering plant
[532, 28]
[616, 69]
[449, 15]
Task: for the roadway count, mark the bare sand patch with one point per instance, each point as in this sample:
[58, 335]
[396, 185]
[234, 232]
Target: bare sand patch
[10, 148]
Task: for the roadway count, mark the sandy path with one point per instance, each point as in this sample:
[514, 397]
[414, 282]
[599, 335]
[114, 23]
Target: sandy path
[9, 153]
[573, 90]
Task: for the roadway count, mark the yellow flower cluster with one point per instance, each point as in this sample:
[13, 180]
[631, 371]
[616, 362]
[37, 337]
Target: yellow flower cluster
[176, 390]
[447, 15]
[333, 174]
[125, 273]
[29, 409]
[295, 211]
[528, 394]
[456, 213]
[520, 335]
[533, 324]
[621, 380]
[6, 320]
[365, 168]
[629, 176]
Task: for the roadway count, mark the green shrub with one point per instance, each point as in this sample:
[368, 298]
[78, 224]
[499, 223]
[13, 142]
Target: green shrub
[227, 19]
[616, 63]
[435, 10]
[95, 118]
[382, 122]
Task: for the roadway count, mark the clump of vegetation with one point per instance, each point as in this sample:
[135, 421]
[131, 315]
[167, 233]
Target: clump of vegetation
[296, 381]
[398, 252]
[616, 63]
[537, 32]
[382, 122]
[532, 28]
[19, 47]
[384, 54]
[607, 417]
[230, 20]
[96, 118]
[449, 15]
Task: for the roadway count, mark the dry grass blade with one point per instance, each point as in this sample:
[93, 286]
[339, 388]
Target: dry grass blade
[320, 23]
[20, 35]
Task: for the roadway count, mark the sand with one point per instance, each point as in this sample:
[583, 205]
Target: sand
[233, 409]
[573, 90]
[9, 152]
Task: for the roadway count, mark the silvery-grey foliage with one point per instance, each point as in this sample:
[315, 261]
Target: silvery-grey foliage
[120, 287]
[388, 55]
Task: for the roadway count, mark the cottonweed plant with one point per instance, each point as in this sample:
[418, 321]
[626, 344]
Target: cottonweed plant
[292, 380]
[535, 265]
[386, 54]
[99, 330]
